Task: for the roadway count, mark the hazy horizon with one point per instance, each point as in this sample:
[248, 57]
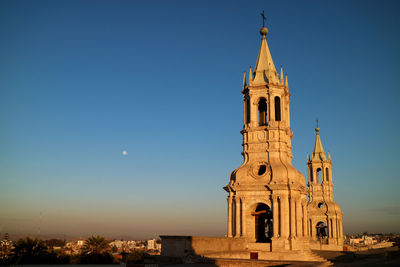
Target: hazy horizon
[124, 117]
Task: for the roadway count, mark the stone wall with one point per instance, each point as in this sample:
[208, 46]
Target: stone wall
[180, 246]
[317, 245]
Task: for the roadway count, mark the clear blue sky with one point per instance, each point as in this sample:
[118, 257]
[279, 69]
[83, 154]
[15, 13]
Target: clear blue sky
[81, 81]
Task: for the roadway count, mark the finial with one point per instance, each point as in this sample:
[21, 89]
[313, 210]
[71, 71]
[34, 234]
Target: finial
[244, 80]
[281, 74]
[317, 129]
[263, 30]
[250, 75]
[286, 82]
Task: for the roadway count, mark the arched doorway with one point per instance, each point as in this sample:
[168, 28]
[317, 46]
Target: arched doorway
[322, 231]
[263, 223]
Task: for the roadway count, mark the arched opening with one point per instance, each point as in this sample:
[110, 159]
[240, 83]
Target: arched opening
[318, 175]
[262, 169]
[262, 112]
[321, 230]
[327, 174]
[263, 223]
[277, 108]
[247, 108]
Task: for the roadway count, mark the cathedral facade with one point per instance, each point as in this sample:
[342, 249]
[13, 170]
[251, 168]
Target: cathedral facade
[272, 213]
[268, 201]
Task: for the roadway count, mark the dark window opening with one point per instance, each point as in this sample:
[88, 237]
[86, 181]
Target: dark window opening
[247, 103]
[262, 112]
[318, 174]
[320, 205]
[262, 169]
[327, 174]
[277, 108]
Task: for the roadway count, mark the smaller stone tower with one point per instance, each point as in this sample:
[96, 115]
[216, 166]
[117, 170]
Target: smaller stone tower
[324, 215]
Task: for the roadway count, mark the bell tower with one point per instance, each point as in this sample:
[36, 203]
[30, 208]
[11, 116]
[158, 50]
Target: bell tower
[267, 202]
[325, 217]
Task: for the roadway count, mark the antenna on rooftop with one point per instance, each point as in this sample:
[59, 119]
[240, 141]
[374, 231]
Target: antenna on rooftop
[40, 221]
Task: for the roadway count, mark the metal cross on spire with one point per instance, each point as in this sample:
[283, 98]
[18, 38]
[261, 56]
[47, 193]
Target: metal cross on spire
[263, 17]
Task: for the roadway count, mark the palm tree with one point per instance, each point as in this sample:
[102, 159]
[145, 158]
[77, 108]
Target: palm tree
[95, 245]
[29, 250]
[95, 251]
[5, 247]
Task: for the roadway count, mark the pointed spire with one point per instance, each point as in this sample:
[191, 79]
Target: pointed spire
[250, 75]
[281, 75]
[244, 80]
[286, 81]
[265, 69]
[308, 157]
[318, 154]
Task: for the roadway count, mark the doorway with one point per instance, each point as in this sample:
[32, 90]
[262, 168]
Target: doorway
[263, 223]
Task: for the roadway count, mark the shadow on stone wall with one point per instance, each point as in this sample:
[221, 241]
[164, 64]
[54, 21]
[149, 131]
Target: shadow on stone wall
[179, 250]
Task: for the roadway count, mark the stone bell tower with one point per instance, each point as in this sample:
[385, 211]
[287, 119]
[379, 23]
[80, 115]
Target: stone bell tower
[267, 202]
[325, 217]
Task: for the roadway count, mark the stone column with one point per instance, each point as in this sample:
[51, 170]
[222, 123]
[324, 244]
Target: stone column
[284, 212]
[292, 217]
[244, 219]
[230, 215]
[334, 226]
[253, 113]
[275, 215]
[305, 219]
[238, 230]
[299, 215]
[272, 108]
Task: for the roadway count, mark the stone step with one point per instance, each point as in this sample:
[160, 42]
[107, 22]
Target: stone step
[316, 257]
[271, 256]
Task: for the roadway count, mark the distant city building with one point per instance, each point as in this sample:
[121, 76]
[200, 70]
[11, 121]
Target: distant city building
[152, 244]
[117, 243]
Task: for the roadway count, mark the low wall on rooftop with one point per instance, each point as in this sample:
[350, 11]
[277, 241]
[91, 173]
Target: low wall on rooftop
[180, 246]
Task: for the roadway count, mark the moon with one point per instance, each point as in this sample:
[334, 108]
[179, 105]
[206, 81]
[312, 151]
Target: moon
[124, 152]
